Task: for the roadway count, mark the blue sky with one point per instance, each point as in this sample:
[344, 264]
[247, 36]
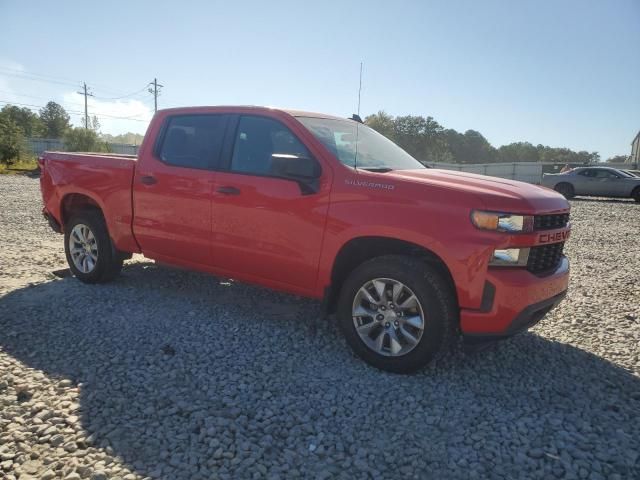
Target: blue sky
[560, 73]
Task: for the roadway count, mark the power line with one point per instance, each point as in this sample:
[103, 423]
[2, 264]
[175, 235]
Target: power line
[37, 97]
[66, 102]
[124, 96]
[38, 77]
[24, 72]
[78, 112]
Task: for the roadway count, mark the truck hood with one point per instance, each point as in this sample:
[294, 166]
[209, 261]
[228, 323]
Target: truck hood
[494, 193]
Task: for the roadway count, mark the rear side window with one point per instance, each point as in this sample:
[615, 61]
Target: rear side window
[257, 139]
[193, 141]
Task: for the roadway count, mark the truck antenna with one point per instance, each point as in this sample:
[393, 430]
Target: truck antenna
[359, 89]
[358, 119]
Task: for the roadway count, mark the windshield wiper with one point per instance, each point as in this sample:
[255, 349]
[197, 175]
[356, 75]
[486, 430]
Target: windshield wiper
[376, 169]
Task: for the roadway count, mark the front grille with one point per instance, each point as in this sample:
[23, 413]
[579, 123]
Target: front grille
[544, 257]
[549, 222]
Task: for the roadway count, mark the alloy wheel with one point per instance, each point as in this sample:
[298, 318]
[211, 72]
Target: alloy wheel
[388, 317]
[83, 248]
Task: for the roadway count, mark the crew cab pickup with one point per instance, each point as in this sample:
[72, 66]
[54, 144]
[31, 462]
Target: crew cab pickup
[407, 257]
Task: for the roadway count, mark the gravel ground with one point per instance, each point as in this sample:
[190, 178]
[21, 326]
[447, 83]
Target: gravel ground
[172, 374]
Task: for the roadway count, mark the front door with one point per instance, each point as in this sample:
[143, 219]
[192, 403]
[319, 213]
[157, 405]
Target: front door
[266, 227]
[606, 183]
[172, 190]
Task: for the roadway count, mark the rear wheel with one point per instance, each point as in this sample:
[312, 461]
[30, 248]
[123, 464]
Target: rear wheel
[91, 256]
[565, 189]
[397, 313]
[636, 194]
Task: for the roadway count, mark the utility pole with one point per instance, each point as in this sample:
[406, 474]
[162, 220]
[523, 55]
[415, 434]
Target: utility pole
[155, 93]
[86, 111]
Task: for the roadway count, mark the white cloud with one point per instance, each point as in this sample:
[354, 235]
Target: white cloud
[6, 63]
[133, 115]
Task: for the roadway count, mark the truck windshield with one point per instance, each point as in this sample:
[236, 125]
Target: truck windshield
[347, 138]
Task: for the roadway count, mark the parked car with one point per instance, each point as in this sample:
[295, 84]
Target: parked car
[408, 257]
[595, 182]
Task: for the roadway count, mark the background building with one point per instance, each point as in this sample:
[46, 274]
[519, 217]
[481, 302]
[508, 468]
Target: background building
[635, 150]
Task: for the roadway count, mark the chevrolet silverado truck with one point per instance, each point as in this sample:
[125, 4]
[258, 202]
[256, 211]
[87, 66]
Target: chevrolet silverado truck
[409, 258]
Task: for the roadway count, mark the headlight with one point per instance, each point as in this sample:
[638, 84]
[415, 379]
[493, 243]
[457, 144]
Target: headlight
[510, 257]
[502, 222]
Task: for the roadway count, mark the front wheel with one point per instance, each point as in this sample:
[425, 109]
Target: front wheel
[397, 313]
[91, 256]
[636, 194]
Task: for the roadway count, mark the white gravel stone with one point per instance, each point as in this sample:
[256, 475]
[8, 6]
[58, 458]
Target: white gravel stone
[172, 374]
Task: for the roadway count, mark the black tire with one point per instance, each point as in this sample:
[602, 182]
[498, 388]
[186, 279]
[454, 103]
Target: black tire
[636, 194]
[565, 189]
[109, 260]
[433, 291]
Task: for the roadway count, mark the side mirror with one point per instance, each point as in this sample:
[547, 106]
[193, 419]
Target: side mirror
[304, 170]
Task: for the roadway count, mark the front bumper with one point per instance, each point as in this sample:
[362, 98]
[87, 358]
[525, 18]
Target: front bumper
[514, 301]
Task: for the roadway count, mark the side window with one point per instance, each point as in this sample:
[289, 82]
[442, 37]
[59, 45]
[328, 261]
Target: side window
[193, 141]
[586, 173]
[257, 139]
[605, 174]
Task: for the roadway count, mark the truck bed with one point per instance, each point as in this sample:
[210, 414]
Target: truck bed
[101, 179]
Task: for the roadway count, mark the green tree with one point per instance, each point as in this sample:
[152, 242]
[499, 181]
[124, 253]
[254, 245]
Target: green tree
[421, 137]
[617, 159]
[477, 148]
[426, 140]
[382, 123]
[55, 120]
[589, 157]
[11, 141]
[410, 134]
[518, 152]
[128, 138]
[456, 145]
[28, 121]
[470, 147]
[80, 139]
[94, 123]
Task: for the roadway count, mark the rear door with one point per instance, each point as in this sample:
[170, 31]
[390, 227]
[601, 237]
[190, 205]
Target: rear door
[172, 189]
[264, 227]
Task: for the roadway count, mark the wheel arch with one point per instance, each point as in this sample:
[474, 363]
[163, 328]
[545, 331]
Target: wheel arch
[361, 249]
[571, 188]
[564, 182]
[72, 203]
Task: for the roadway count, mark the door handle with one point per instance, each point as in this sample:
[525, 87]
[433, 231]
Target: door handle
[148, 180]
[228, 190]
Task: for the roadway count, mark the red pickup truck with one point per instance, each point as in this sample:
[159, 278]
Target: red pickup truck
[408, 257]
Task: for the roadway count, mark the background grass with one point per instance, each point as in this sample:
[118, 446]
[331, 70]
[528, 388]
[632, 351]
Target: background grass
[22, 166]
